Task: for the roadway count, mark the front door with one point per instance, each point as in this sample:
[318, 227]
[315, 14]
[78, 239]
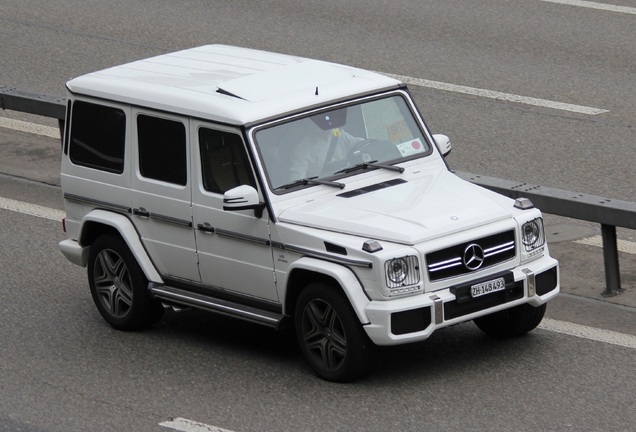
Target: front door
[233, 246]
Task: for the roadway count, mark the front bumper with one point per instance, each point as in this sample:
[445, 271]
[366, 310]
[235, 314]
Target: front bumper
[415, 318]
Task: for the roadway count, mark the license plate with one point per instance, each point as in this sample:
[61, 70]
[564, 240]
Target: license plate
[483, 288]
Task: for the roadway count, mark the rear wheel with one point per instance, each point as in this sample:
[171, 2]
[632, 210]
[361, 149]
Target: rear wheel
[119, 287]
[330, 335]
[512, 322]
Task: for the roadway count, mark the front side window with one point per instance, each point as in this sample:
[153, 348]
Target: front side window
[162, 149]
[224, 161]
[98, 137]
[326, 143]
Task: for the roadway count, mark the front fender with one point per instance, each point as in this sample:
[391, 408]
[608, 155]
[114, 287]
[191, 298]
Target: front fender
[124, 226]
[343, 276]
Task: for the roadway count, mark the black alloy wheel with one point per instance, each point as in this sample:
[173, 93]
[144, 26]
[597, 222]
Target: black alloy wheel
[330, 335]
[119, 287]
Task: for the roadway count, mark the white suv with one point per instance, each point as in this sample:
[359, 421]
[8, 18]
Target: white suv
[283, 190]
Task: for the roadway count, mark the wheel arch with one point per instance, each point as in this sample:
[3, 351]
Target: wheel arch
[100, 222]
[307, 270]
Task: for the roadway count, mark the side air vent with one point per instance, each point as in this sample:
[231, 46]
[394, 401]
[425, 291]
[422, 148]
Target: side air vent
[334, 248]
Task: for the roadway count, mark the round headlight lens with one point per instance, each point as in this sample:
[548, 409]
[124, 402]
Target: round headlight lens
[397, 270]
[530, 233]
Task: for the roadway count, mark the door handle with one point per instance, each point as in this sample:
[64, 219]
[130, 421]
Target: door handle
[141, 212]
[206, 228]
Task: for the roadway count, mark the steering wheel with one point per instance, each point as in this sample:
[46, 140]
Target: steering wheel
[372, 149]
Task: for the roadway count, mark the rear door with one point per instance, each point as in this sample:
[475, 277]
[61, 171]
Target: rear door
[161, 193]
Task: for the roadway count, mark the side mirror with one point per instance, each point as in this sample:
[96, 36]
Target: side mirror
[243, 198]
[443, 144]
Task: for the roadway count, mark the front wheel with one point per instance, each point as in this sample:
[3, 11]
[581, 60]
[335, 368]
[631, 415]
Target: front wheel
[330, 335]
[119, 287]
[511, 322]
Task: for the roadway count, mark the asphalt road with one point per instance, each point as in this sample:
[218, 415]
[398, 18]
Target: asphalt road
[62, 368]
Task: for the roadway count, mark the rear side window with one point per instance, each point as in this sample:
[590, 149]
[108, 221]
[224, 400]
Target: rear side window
[98, 137]
[162, 149]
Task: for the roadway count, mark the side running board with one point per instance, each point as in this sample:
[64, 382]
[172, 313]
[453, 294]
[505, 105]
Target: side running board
[212, 304]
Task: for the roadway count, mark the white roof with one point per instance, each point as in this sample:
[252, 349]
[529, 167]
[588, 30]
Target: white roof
[228, 84]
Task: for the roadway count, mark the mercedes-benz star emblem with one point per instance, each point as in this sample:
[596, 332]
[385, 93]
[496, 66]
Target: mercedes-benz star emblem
[473, 256]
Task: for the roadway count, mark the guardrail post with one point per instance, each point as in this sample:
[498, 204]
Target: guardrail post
[610, 256]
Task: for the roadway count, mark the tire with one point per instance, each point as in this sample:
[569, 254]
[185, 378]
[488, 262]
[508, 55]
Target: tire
[119, 287]
[512, 322]
[330, 335]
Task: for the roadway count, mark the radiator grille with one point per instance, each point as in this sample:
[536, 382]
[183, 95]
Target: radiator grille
[470, 256]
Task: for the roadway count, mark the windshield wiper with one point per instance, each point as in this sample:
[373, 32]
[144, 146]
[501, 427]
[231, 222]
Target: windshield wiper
[310, 180]
[370, 164]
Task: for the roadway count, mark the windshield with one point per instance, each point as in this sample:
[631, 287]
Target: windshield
[365, 135]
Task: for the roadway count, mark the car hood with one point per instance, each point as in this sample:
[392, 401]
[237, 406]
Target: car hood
[404, 211]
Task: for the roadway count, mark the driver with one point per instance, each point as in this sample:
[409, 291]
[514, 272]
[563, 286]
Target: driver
[310, 155]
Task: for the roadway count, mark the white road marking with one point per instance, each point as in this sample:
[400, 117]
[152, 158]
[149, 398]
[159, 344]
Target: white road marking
[622, 245]
[32, 209]
[185, 425]
[595, 5]
[591, 333]
[508, 97]
[53, 132]
[33, 128]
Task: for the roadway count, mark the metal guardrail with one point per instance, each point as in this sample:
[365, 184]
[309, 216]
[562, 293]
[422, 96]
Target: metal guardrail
[610, 213]
[15, 99]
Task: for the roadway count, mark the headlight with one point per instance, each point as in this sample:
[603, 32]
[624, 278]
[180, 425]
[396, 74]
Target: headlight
[402, 271]
[397, 270]
[532, 234]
